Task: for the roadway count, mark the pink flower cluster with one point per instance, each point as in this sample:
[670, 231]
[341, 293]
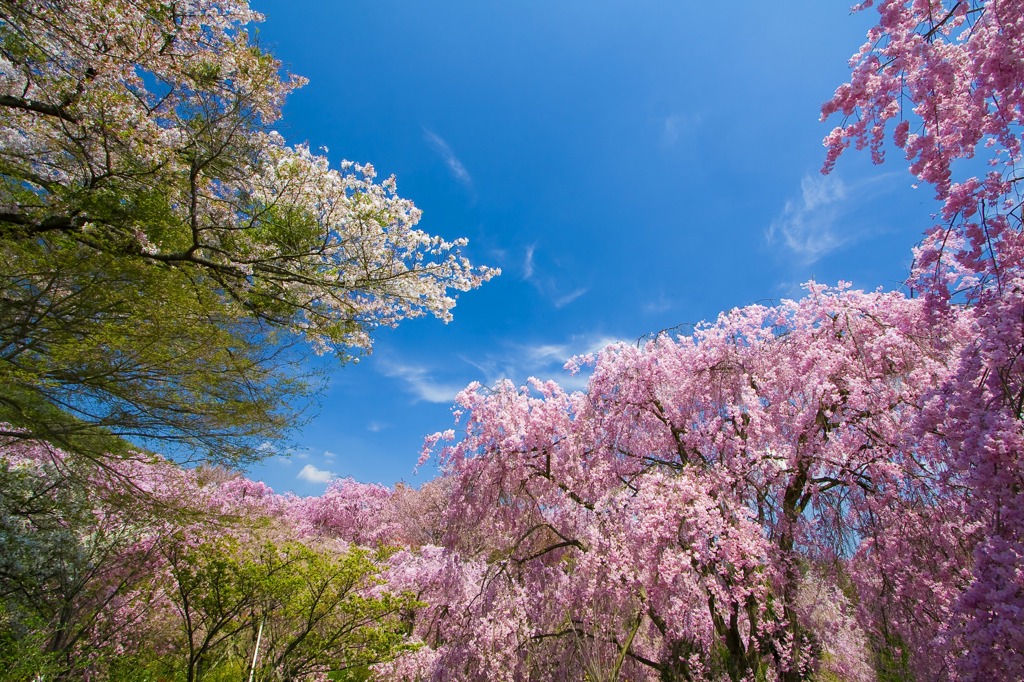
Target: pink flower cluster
[952, 73]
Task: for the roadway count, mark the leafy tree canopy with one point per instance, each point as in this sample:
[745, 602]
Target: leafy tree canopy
[163, 247]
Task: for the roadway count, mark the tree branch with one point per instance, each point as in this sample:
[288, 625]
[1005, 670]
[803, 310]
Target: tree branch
[36, 106]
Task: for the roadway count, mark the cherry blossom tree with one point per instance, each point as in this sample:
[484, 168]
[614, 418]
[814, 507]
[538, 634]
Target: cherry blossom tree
[154, 225]
[360, 513]
[170, 572]
[823, 489]
[80, 553]
[947, 79]
[673, 521]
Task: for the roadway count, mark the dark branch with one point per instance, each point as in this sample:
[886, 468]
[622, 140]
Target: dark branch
[37, 107]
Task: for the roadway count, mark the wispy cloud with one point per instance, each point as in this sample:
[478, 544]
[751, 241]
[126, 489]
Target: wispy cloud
[658, 305]
[676, 125]
[528, 261]
[544, 361]
[565, 299]
[458, 170]
[808, 225]
[670, 130]
[311, 474]
[419, 381]
[580, 346]
[548, 286]
[596, 344]
[545, 353]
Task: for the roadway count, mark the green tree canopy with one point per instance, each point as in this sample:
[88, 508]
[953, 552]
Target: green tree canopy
[163, 247]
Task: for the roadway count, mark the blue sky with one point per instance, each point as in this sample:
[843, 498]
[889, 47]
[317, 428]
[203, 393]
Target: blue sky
[630, 167]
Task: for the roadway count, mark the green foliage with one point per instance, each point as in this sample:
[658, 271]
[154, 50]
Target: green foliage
[95, 348]
[23, 654]
[358, 674]
[163, 248]
[65, 568]
[317, 607]
[143, 667]
[892, 660]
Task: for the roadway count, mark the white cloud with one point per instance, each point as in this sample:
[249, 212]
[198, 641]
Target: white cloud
[516, 362]
[675, 125]
[544, 361]
[659, 305]
[377, 427]
[458, 170]
[549, 287]
[599, 343]
[543, 353]
[419, 382]
[566, 299]
[808, 226]
[821, 190]
[670, 130]
[313, 475]
[528, 261]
